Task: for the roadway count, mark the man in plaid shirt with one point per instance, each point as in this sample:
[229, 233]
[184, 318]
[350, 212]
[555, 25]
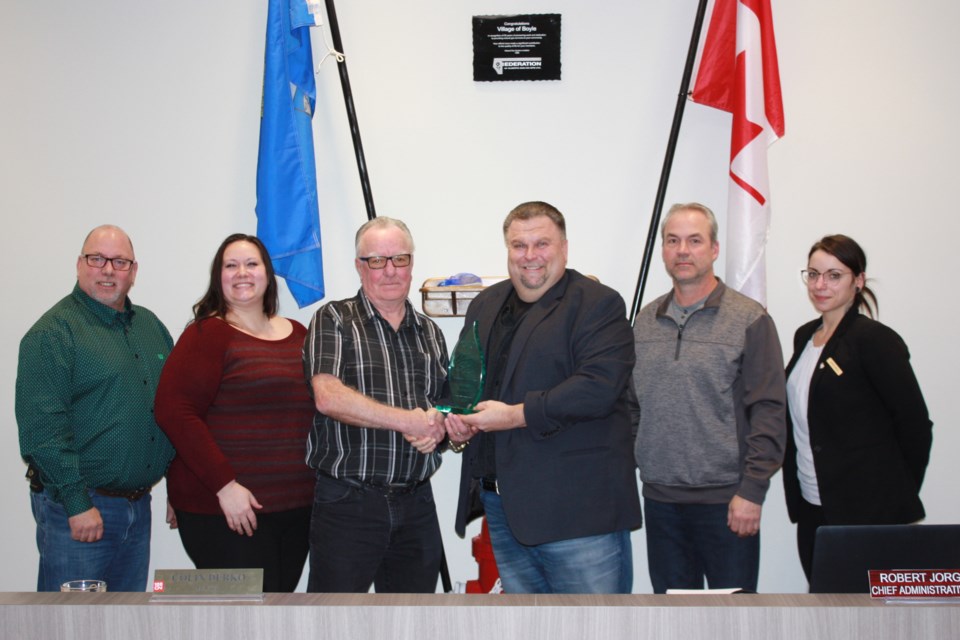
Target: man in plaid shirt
[376, 368]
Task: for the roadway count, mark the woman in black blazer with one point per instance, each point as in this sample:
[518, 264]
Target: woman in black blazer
[859, 437]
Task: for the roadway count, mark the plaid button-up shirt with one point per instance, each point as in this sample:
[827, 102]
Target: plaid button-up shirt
[405, 368]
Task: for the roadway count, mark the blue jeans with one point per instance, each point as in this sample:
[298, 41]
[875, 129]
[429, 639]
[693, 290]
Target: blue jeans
[362, 535]
[593, 564]
[689, 542]
[121, 557]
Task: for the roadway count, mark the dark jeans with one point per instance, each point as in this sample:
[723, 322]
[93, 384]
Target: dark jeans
[689, 542]
[362, 535]
[278, 546]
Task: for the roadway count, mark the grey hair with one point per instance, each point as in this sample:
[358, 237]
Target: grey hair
[692, 206]
[382, 222]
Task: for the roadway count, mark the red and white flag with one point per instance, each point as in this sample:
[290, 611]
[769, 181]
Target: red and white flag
[737, 72]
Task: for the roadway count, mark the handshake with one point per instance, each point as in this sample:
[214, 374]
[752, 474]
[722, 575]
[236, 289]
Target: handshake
[427, 429]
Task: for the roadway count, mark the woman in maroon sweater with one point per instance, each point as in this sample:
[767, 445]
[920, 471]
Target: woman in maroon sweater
[234, 403]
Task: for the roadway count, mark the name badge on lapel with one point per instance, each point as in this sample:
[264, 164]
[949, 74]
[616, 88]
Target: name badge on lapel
[833, 365]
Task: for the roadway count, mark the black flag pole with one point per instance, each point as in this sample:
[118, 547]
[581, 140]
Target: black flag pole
[668, 161]
[351, 111]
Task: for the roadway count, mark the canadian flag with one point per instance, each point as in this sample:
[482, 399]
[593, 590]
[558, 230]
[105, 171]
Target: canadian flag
[737, 72]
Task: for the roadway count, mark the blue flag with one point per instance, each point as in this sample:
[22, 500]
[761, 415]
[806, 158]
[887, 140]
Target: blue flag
[288, 219]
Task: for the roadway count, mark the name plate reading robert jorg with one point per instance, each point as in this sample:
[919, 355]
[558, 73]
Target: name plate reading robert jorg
[914, 584]
[208, 584]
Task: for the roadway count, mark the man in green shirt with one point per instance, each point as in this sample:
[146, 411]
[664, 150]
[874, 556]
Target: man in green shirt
[86, 378]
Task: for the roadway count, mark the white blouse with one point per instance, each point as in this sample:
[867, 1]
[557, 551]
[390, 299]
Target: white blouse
[798, 399]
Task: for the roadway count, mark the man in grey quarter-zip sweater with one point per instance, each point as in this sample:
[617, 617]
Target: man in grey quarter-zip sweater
[709, 379]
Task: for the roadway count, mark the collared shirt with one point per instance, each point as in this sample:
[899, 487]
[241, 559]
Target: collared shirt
[403, 368]
[84, 400]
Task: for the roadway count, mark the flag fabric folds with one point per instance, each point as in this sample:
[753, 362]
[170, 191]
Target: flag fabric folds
[737, 72]
[288, 220]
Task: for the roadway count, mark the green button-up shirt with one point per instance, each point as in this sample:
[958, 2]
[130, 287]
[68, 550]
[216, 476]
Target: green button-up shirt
[84, 402]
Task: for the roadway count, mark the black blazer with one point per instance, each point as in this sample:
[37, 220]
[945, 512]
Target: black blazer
[869, 427]
[570, 472]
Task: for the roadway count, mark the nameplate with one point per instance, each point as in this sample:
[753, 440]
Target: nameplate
[208, 584]
[913, 584]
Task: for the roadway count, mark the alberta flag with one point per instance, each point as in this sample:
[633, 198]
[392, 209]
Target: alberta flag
[288, 220]
[738, 72]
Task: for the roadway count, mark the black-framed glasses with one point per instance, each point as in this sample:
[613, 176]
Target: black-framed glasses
[379, 262]
[98, 261]
[832, 276]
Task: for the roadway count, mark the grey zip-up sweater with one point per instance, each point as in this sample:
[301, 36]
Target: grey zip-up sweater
[712, 401]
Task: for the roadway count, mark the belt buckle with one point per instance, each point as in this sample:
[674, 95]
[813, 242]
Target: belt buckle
[393, 488]
[400, 488]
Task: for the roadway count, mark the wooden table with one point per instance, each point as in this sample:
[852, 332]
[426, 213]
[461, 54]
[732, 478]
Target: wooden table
[131, 616]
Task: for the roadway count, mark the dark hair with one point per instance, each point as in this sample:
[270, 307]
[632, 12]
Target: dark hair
[213, 304]
[529, 210]
[846, 250]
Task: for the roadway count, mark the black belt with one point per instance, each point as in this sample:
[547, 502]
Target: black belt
[490, 484]
[33, 475]
[386, 488]
[132, 495]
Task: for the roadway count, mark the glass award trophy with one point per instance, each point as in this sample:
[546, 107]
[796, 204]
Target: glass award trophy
[465, 374]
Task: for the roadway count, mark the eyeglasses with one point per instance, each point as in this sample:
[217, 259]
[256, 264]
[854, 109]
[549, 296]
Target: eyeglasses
[97, 261]
[379, 262]
[831, 277]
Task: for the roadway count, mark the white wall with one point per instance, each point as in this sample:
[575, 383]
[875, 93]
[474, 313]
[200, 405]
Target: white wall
[146, 115]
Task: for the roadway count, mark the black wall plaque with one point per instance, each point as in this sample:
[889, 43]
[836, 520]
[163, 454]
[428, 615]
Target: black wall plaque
[520, 47]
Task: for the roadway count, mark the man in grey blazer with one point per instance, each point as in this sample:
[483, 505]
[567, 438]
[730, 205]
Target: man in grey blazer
[549, 446]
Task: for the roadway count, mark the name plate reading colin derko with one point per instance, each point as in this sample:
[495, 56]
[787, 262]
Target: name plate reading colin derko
[519, 47]
[915, 584]
[208, 585]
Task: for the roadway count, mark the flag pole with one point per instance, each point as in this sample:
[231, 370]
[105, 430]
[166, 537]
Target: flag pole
[668, 161]
[351, 111]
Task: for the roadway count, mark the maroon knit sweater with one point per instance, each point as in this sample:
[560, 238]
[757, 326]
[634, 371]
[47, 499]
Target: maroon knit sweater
[238, 408]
